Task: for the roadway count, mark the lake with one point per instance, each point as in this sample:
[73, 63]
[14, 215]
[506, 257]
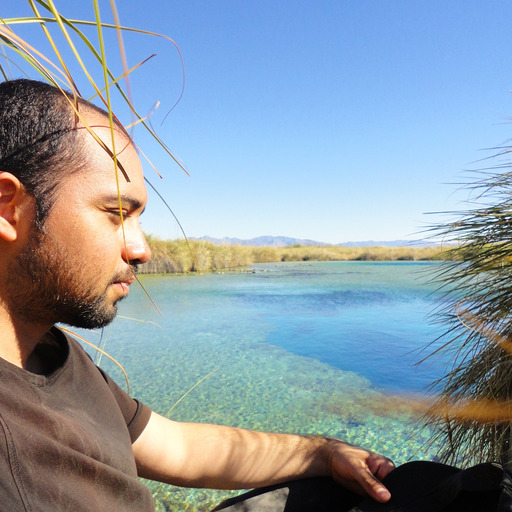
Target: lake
[296, 347]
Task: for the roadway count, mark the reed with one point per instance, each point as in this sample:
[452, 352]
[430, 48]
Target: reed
[180, 256]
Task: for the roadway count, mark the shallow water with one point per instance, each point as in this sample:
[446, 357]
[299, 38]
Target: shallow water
[296, 347]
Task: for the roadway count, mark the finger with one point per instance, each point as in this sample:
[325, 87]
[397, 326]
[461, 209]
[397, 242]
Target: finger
[381, 466]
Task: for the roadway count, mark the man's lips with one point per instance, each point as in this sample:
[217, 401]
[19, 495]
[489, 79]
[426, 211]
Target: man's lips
[125, 282]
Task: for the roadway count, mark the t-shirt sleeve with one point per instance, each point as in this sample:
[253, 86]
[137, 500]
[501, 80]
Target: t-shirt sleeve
[135, 413]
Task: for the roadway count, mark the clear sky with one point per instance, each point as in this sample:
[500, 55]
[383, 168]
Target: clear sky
[332, 120]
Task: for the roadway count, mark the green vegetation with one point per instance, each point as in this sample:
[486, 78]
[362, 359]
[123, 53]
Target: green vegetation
[178, 256]
[473, 411]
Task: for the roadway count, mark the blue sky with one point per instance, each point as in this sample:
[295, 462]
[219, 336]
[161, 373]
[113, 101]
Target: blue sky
[328, 120]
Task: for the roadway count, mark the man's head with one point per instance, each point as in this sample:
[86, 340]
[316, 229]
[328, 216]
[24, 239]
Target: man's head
[71, 260]
[39, 140]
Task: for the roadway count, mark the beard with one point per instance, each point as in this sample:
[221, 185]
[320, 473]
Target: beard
[46, 285]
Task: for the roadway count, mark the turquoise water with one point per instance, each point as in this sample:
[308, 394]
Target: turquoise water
[296, 347]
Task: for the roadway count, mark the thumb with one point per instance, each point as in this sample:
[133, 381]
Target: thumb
[375, 488]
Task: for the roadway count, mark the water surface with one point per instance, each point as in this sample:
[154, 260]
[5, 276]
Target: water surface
[296, 347]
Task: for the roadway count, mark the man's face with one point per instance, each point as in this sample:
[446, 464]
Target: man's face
[77, 267]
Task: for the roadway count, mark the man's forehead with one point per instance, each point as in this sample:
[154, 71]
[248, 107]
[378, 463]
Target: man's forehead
[101, 148]
[95, 126]
[127, 179]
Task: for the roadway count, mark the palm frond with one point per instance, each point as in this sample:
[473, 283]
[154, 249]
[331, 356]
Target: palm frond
[473, 411]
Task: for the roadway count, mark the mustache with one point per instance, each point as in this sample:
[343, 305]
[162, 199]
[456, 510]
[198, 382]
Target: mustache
[128, 274]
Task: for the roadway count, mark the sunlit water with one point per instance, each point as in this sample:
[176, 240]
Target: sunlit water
[297, 347]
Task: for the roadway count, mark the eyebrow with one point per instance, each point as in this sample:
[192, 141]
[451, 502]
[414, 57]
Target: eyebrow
[130, 201]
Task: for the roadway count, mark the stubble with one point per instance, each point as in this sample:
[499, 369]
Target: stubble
[46, 285]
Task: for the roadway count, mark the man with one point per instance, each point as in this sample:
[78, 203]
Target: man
[70, 439]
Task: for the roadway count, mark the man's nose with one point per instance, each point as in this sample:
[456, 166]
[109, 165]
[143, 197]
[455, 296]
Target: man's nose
[137, 250]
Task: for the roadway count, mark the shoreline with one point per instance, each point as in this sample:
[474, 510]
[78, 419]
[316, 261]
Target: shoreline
[181, 257]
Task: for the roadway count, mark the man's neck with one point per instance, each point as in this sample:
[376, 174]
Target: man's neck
[18, 339]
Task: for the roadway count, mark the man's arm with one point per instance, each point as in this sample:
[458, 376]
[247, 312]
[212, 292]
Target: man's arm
[200, 455]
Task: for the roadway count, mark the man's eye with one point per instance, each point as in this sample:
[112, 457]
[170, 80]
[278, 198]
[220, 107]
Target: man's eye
[117, 213]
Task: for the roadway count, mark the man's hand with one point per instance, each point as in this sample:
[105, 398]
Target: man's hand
[359, 470]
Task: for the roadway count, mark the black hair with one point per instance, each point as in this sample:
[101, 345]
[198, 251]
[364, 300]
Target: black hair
[39, 142]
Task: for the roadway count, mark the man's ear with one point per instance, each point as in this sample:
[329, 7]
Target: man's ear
[12, 198]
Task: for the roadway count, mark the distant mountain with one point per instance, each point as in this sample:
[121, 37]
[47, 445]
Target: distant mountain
[283, 241]
[392, 243]
[260, 241]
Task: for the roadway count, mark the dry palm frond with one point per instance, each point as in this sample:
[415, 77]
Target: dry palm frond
[58, 74]
[473, 411]
[189, 391]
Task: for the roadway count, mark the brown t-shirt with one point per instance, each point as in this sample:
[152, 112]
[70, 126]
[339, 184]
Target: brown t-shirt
[65, 437]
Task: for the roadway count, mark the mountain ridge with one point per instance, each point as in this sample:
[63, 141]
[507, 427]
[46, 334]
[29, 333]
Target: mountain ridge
[284, 241]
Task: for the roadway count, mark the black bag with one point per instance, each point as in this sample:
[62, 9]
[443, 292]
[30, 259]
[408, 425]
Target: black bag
[415, 487]
[433, 487]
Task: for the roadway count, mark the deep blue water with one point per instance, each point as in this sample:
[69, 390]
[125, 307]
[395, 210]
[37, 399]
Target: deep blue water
[370, 318]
